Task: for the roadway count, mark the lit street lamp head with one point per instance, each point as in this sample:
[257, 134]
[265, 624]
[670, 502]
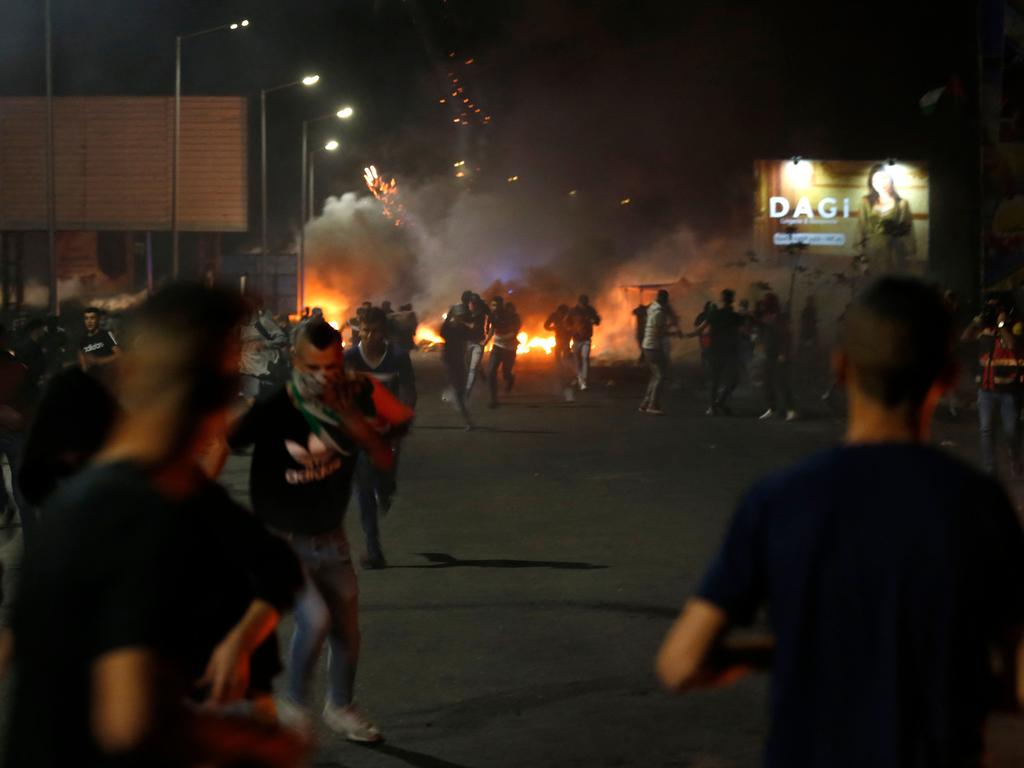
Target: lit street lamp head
[311, 80]
[237, 24]
[345, 113]
[331, 145]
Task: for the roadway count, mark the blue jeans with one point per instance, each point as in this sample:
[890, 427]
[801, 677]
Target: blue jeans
[372, 484]
[581, 351]
[1005, 405]
[327, 609]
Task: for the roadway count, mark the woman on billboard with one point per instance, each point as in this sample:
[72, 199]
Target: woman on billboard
[886, 225]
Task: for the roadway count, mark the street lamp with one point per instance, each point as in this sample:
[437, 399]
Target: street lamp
[176, 150]
[307, 81]
[330, 146]
[343, 113]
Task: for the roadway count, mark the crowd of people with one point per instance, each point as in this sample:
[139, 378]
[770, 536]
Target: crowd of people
[727, 337]
[473, 325]
[149, 600]
[169, 589]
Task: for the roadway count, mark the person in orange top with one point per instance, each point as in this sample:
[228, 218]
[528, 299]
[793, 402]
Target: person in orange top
[999, 346]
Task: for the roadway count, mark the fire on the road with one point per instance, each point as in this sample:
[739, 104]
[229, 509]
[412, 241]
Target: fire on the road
[427, 338]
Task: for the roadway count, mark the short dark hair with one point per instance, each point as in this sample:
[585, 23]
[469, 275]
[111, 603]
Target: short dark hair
[375, 316]
[92, 311]
[467, 296]
[898, 337]
[499, 300]
[584, 299]
[320, 334]
[728, 295]
[662, 297]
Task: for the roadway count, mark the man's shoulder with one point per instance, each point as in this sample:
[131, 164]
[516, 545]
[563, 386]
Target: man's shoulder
[845, 468]
[113, 497]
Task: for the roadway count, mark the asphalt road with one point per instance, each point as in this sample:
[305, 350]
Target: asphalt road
[536, 564]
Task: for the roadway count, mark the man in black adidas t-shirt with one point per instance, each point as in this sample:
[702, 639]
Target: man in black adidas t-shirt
[307, 438]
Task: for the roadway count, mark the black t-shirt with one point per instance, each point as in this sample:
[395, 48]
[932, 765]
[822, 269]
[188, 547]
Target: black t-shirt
[118, 565]
[100, 344]
[725, 331]
[887, 570]
[582, 321]
[297, 483]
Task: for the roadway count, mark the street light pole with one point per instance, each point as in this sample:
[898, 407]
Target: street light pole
[51, 191]
[300, 269]
[176, 143]
[261, 268]
[175, 152]
[307, 81]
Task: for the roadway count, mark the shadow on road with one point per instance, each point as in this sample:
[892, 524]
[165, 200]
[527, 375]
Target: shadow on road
[415, 759]
[494, 430]
[441, 560]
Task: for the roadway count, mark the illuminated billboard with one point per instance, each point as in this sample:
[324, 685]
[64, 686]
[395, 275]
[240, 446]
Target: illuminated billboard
[874, 210]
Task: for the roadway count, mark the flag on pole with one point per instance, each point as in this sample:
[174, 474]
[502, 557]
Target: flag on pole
[930, 101]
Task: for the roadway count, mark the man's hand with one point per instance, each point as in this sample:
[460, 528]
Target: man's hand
[227, 673]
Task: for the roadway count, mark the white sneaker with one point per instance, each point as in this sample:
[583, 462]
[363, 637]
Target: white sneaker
[351, 722]
[770, 413]
[293, 715]
[790, 415]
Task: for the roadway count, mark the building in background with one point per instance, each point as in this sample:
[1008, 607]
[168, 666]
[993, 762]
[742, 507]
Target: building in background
[113, 171]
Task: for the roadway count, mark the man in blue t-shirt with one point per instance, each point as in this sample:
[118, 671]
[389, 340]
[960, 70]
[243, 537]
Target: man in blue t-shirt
[391, 366]
[892, 573]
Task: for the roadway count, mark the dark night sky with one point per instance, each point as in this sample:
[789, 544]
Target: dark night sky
[665, 102]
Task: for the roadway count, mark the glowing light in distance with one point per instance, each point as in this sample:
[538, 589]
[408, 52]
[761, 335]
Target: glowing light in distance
[513, 179]
[310, 80]
[625, 201]
[442, 100]
[799, 173]
[331, 145]
[460, 164]
[345, 113]
[460, 174]
[572, 193]
[242, 23]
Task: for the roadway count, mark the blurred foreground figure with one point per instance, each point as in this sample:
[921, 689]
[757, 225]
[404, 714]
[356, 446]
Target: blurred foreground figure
[890, 570]
[149, 588]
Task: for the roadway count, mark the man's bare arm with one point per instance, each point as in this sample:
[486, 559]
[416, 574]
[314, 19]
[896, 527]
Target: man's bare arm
[698, 654]
[689, 643]
[123, 699]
